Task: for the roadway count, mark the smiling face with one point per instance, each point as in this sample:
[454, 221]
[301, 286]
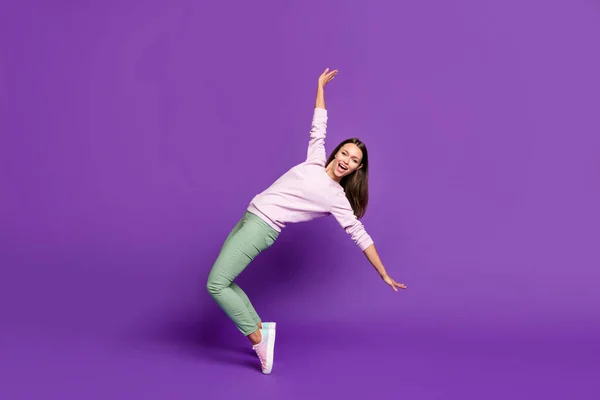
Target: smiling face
[347, 160]
[348, 165]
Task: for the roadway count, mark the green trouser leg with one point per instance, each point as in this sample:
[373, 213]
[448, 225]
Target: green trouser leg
[237, 290]
[249, 237]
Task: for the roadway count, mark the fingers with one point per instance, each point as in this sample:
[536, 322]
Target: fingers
[329, 75]
[395, 285]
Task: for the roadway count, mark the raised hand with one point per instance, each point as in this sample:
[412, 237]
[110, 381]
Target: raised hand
[326, 77]
[395, 285]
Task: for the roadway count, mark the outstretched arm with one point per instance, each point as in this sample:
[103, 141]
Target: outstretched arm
[373, 257]
[342, 212]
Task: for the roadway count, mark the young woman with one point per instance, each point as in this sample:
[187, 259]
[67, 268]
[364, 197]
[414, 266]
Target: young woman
[318, 187]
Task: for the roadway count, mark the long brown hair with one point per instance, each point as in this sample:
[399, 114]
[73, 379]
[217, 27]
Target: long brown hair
[356, 185]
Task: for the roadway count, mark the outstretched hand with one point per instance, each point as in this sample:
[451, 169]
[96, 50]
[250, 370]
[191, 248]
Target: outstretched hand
[326, 77]
[395, 285]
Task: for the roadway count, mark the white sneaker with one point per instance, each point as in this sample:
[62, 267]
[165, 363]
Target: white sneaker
[265, 349]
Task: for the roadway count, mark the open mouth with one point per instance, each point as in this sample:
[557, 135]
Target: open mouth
[342, 168]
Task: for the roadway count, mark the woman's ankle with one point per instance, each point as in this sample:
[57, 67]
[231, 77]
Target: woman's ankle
[255, 337]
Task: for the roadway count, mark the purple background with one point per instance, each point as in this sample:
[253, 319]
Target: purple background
[134, 134]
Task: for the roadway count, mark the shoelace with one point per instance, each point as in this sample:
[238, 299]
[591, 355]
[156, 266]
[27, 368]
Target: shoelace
[263, 362]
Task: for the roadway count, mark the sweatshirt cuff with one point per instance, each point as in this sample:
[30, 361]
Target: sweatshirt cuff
[320, 112]
[363, 245]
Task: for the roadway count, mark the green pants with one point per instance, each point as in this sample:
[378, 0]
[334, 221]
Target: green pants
[249, 237]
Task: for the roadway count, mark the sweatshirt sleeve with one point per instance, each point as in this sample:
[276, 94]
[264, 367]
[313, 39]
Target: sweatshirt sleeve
[316, 144]
[343, 213]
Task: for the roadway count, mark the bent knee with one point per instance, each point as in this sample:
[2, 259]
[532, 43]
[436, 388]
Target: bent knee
[214, 287]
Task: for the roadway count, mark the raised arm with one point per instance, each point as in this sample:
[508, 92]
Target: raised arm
[324, 79]
[316, 145]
